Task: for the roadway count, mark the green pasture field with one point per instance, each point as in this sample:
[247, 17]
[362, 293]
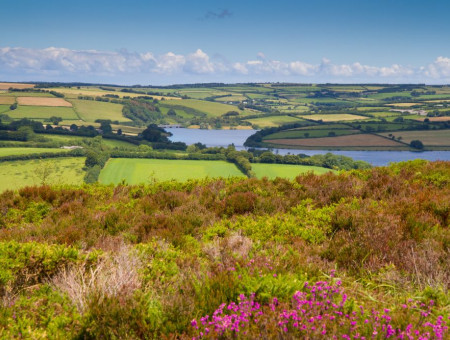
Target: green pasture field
[75, 140]
[346, 88]
[290, 171]
[389, 126]
[273, 121]
[334, 117]
[434, 96]
[26, 151]
[314, 133]
[292, 108]
[316, 100]
[233, 98]
[202, 93]
[90, 110]
[136, 171]
[331, 127]
[384, 95]
[385, 114]
[407, 117]
[427, 137]
[42, 112]
[253, 95]
[4, 108]
[18, 174]
[210, 108]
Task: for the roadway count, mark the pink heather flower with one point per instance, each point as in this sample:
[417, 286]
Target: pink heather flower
[194, 324]
[274, 275]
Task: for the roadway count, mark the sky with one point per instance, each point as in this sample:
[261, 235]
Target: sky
[162, 42]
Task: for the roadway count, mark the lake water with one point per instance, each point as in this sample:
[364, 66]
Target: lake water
[224, 138]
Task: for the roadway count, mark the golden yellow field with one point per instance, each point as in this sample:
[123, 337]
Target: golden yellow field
[74, 93]
[43, 101]
[403, 104]
[439, 119]
[5, 86]
[7, 100]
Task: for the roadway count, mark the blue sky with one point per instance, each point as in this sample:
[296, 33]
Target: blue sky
[164, 42]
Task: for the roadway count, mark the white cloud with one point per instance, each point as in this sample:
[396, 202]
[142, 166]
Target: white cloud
[67, 64]
[440, 68]
[198, 63]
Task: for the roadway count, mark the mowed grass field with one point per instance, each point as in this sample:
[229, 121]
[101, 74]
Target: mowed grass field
[136, 171]
[26, 151]
[18, 174]
[272, 171]
[90, 110]
[43, 101]
[43, 112]
[334, 117]
[428, 138]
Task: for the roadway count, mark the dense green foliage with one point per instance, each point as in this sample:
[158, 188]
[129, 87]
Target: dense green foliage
[149, 261]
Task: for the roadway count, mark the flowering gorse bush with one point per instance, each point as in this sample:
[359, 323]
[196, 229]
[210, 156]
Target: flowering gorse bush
[322, 310]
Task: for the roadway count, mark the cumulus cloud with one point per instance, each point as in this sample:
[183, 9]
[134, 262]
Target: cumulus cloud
[440, 68]
[69, 64]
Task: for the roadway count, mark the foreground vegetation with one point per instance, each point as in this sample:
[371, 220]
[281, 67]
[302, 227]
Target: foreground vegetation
[356, 254]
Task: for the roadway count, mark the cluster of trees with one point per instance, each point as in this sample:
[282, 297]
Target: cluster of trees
[96, 157]
[141, 112]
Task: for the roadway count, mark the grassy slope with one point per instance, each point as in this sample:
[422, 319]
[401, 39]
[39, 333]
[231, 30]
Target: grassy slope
[210, 108]
[274, 121]
[17, 174]
[42, 112]
[90, 110]
[70, 140]
[135, 171]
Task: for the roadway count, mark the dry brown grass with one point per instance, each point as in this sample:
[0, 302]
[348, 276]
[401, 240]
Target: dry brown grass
[42, 101]
[114, 275]
[6, 86]
[351, 140]
[7, 100]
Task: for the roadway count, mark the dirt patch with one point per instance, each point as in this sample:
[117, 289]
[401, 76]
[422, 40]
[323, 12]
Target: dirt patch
[6, 86]
[43, 101]
[7, 100]
[352, 140]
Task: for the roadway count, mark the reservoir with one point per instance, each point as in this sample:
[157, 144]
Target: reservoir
[212, 138]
